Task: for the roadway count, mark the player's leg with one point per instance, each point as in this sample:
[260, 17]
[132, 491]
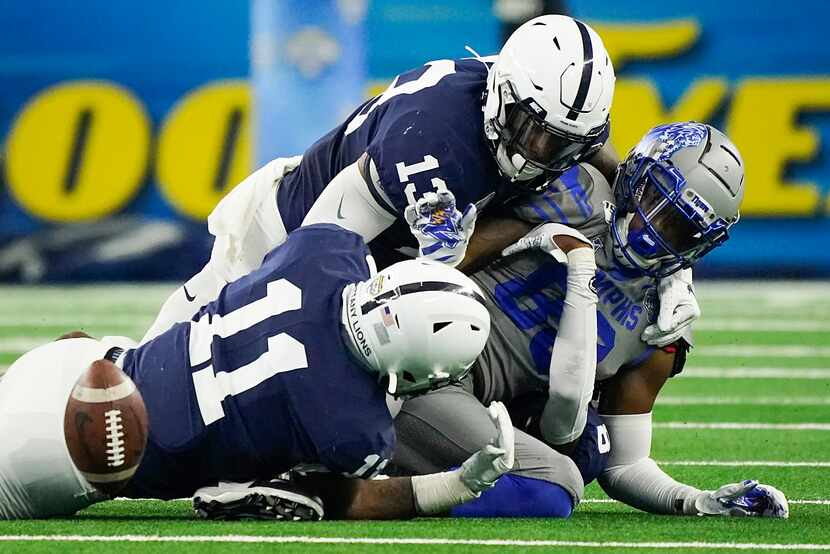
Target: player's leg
[37, 476]
[591, 450]
[441, 429]
[247, 225]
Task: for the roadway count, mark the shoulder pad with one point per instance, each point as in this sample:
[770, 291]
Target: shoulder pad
[574, 199]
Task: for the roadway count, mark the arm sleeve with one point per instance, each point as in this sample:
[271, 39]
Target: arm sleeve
[633, 477]
[348, 202]
[573, 360]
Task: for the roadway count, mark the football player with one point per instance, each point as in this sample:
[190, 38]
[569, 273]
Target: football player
[570, 305]
[410, 168]
[288, 366]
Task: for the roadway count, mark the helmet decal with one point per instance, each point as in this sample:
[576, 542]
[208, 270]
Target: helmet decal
[668, 139]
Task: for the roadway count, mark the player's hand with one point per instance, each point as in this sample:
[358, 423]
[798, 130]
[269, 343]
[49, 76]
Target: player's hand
[482, 469]
[554, 238]
[442, 231]
[678, 309]
[744, 499]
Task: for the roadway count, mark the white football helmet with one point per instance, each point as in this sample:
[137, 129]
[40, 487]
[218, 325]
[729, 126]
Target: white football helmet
[420, 322]
[548, 97]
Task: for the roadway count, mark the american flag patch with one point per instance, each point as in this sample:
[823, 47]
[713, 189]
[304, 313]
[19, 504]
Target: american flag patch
[386, 315]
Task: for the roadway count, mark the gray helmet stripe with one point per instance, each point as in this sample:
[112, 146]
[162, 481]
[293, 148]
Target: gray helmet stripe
[422, 286]
[587, 71]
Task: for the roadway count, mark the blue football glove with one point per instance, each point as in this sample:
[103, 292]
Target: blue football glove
[442, 231]
[744, 499]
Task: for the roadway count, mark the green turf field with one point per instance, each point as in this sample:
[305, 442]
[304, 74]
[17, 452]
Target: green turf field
[754, 402]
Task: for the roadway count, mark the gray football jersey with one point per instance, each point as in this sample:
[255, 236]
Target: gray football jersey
[527, 292]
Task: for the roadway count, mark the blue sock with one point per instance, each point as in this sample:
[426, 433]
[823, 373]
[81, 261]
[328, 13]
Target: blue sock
[516, 496]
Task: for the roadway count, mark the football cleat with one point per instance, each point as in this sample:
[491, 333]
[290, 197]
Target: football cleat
[276, 499]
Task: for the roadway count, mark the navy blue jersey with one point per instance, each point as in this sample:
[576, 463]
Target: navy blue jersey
[261, 380]
[424, 133]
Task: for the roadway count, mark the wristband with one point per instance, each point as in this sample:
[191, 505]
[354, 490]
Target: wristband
[438, 492]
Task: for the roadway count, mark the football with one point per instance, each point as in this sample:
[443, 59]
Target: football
[105, 426]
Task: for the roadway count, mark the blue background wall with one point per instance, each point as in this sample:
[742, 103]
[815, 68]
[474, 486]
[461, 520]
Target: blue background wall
[184, 73]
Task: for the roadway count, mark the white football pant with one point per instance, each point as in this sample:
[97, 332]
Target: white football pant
[246, 225]
[37, 476]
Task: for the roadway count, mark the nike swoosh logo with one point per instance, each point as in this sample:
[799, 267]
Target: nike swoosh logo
[340, 208]
[187, 294]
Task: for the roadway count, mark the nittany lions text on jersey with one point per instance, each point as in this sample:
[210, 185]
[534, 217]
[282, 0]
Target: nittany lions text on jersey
[261, 379]
[528, 290]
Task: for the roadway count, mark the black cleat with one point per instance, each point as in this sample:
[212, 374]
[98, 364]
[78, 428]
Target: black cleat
[273, 500]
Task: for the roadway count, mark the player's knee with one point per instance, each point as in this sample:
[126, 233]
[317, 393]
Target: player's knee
[557, 469]
[518, 496]
[74, 335]
[546, 499]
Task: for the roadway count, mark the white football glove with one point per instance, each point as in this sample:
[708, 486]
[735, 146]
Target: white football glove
[678, 309]
[541, 238]
[481, 470]
[744, 499]
[441, 230]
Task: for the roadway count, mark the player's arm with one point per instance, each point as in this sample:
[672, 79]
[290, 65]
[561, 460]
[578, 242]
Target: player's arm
[491, 236]
[634, 478]
[572, 368]
[353, 201]
[422, 495]
[554, 205]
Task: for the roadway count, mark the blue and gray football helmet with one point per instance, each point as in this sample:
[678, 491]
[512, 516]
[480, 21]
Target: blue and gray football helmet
[677, 193]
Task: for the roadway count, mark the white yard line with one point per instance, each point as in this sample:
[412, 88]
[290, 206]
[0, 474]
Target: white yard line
[743, 426]
[766, 325]
[69, 321]
[755, 373]
[743, 400]
[405, 541]
[790, 290]
[106, 292]
[798, 502]
[766, 351]
[22, 344]
[735, 463]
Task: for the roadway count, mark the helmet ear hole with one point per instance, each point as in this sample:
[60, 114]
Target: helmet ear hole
[440, 325]
[407, 376]
[475, 328]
